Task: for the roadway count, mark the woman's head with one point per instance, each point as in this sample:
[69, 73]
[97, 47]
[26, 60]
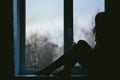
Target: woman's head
[100, 22]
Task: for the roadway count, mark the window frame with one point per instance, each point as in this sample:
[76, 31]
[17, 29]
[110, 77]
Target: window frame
[19, 33]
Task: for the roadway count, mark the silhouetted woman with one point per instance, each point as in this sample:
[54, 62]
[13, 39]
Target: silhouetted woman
[80, 52]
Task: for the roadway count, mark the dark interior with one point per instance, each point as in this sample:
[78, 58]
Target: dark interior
[111, 41]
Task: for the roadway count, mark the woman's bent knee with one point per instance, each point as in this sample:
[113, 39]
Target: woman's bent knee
[83, 49]
[83, 43]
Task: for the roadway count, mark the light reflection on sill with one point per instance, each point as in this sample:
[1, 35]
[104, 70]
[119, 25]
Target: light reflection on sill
[49, 76]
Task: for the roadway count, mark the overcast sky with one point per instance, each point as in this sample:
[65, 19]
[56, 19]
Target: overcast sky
[46, 18]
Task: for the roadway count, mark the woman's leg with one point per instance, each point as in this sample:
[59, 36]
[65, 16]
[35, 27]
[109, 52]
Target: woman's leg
[82, 52]
[86, 57]
[67, 68]
[79, 53]
[56, 64]
[69, 65]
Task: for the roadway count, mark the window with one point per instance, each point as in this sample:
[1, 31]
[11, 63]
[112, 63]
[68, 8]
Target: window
[36, 21]
[44, 32]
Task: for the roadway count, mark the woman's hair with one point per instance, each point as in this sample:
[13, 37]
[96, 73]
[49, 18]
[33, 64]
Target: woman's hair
[99, 28]
[94, 30]
[99, 19]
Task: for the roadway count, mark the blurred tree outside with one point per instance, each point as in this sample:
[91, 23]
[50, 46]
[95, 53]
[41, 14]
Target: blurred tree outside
[40, 51]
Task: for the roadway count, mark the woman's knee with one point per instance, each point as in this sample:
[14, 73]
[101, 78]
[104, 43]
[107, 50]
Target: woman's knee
[82, 41]
[83, 44]
[83, 49]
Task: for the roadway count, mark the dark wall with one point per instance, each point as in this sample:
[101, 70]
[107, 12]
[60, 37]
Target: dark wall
[112, 40]
[112, 9]
[6, 40]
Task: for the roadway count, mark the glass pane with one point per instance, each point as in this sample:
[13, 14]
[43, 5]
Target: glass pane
[84, 14]
[44, 32]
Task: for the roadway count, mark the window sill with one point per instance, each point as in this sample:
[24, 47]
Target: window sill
[77, 73]
[42, 77]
